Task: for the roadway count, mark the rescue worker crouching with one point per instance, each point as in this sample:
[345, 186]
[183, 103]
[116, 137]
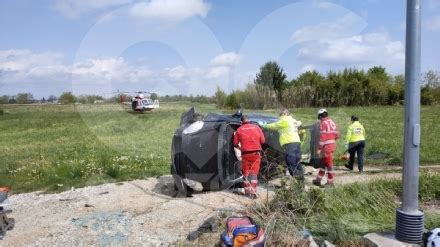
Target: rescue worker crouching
[328, 134]
[355, 142]
[250, 137]
[288, 129]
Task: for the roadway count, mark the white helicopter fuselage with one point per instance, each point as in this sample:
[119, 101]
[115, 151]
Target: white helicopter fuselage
[139, 103]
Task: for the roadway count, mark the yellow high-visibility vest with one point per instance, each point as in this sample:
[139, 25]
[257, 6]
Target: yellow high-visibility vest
[287, 127]
[355, 132]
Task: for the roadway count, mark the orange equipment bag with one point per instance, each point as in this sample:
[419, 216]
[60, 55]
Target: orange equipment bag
[241, 232]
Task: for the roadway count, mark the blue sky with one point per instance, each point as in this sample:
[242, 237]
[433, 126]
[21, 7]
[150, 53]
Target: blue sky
[193, 46]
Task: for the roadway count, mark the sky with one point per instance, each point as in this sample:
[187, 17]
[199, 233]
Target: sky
[193, 46]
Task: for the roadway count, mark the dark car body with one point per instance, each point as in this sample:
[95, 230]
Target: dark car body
[202, 150]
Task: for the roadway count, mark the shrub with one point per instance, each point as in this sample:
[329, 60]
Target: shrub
[342, 214]
[67, 98]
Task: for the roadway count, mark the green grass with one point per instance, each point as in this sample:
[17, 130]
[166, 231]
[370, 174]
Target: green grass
[55, 147]
[384, 127]
[343, 214]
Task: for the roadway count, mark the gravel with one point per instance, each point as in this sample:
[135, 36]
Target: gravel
[140, 212]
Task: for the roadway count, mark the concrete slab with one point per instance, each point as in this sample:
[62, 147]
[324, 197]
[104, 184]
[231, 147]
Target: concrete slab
[385, 239]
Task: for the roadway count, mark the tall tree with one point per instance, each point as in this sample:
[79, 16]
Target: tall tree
[4, 99]
[154, 96]
[220, 98]
[431, 79]
[67, 98]
[273, 76]
[24, 98]
[52, 98]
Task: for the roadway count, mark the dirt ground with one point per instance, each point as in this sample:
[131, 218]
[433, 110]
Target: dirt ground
[135, 213]
[140, 212]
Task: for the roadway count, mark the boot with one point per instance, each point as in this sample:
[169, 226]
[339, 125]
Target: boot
[316, 182]
[348, 167]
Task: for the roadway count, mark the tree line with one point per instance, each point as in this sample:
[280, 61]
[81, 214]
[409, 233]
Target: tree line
[191, 98]
[349, 87]
[64, 98]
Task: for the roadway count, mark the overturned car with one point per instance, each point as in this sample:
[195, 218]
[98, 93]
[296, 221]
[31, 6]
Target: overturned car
[204, 158]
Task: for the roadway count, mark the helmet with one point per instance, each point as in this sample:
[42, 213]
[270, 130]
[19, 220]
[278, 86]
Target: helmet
[284, 112]
[322, 112]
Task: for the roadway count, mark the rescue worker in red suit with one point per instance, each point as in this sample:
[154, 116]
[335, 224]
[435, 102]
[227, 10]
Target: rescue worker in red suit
[250, 137]
[328, 134]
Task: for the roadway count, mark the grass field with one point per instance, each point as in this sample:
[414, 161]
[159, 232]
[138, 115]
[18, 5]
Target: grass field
[55, 147]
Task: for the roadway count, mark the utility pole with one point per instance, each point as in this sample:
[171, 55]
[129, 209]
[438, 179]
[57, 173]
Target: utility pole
[409, 219]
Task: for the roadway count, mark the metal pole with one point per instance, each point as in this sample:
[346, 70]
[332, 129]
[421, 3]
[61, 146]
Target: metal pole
[409, 219]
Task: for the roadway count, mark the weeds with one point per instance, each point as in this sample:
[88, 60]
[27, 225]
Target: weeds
[342, 214]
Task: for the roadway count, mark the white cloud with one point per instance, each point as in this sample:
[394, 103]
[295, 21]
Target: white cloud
[26, 66]
[177, 73]
[226, 59]
[337, 29]
[220, 65]
[17, 60]
[217, 72]
[26, 69]
[307, 67]
[433, 24]
[169, 10]
[368, 49]
[75, 8]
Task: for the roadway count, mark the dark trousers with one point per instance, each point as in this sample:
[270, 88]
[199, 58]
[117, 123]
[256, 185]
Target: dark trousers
[293, 158]
[356, 148]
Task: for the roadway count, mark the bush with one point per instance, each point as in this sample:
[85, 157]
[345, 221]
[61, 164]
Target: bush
[343, 214]
[24, 98]
[67, 98]
[233, 101]
[350, 87]
[220, 98]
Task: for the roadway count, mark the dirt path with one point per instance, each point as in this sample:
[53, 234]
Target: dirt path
[140, 212]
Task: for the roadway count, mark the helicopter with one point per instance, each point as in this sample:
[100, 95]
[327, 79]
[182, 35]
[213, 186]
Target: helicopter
[141, 102]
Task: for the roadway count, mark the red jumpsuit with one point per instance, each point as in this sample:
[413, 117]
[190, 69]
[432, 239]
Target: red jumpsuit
[328, 135]
[250, 137]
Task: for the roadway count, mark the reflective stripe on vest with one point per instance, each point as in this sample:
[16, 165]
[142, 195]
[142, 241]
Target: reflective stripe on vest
[327, 142]
[330, 132]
